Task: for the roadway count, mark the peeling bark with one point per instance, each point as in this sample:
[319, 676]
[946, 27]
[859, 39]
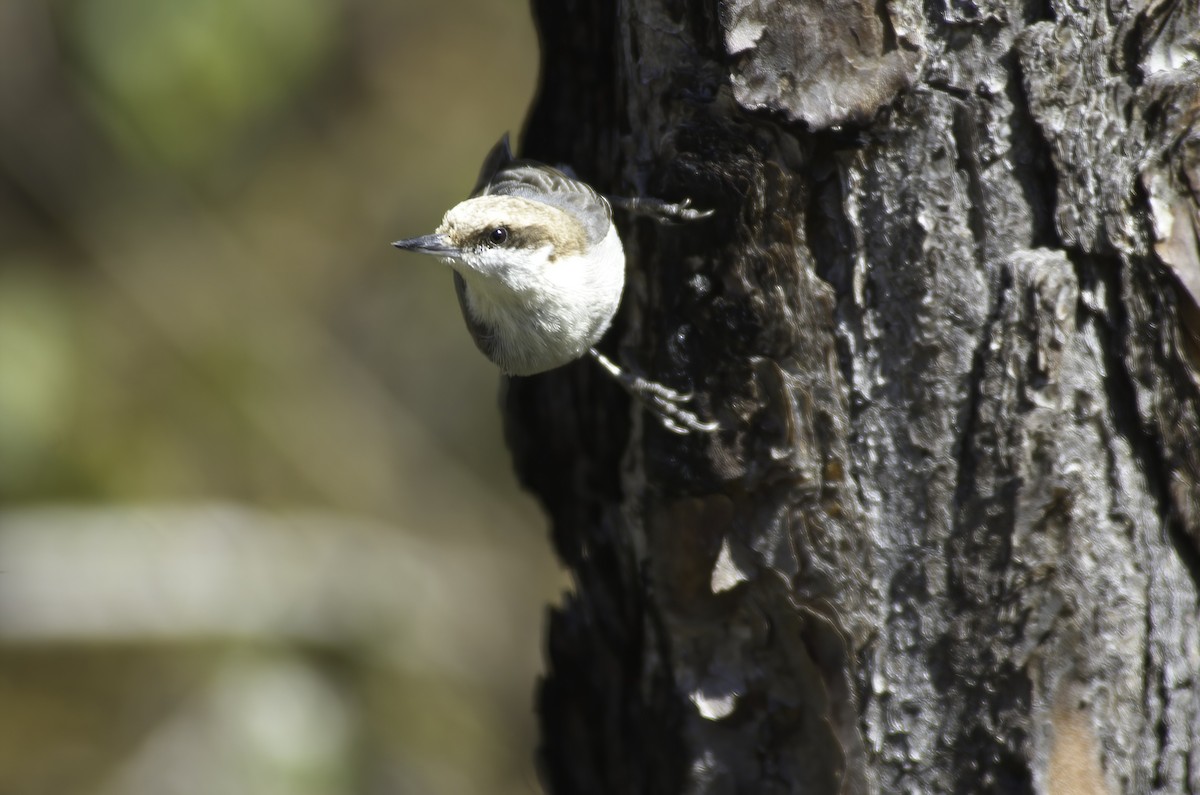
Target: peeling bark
[948, 537]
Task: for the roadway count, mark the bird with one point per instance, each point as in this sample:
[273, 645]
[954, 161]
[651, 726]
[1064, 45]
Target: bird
[539, 270]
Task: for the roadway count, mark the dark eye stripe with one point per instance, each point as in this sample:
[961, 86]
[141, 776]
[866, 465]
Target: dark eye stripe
[518, 236]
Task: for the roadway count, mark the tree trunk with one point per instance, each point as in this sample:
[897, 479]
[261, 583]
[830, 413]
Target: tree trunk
[946, 539]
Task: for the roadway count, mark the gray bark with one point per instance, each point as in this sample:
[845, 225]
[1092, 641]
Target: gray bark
[947, 538]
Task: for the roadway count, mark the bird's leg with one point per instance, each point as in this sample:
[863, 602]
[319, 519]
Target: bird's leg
[659, 210]
[667, 404]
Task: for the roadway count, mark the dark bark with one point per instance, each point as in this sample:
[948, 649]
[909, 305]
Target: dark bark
[947, 538]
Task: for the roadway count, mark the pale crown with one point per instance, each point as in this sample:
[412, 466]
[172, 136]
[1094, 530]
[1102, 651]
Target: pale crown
[512, 224]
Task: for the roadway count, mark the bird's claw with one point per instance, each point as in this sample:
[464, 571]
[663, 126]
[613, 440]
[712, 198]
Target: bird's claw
[682, 211]
[662, 211]
[665, 403]
[668, 406]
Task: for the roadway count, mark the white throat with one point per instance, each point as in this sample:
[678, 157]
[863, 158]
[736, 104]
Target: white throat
[540, 313]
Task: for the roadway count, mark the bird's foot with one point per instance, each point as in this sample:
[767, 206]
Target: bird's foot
[659, 210]
[668, 405]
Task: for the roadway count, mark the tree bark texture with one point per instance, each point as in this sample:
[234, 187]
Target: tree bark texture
[947, 537]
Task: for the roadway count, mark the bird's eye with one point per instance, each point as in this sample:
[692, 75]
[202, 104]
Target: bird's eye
[497, 236]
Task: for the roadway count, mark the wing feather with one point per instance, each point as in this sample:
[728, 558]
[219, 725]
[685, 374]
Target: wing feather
[504, 175]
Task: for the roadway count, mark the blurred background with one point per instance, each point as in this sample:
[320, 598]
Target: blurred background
[258, 529]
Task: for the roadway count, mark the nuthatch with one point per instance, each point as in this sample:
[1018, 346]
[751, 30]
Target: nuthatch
[539, 269]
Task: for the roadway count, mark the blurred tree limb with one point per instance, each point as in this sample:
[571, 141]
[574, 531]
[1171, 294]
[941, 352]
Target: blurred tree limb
[222, 572]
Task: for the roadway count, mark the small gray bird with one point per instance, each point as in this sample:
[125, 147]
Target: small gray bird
[539, 269]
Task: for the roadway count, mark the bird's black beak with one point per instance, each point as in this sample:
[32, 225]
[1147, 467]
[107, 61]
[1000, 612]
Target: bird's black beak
[437, 245]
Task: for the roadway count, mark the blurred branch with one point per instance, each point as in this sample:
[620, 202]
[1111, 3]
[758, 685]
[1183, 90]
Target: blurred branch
[204, 572]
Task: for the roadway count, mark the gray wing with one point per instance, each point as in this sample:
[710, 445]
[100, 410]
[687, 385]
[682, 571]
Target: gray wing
[504, 175]
[483, 334]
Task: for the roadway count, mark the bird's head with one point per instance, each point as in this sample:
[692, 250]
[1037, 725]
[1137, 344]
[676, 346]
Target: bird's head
[506, 240]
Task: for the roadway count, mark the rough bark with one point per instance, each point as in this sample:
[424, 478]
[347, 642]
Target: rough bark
[947, 538]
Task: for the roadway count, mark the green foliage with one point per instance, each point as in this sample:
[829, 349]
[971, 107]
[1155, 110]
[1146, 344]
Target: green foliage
[184, 80]
[200, 316]
[38, 373]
